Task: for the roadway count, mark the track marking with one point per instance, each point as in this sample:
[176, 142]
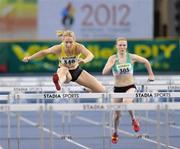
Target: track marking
[124, 132]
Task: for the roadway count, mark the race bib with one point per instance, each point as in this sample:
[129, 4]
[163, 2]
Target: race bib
[123, 69]
[68, 60]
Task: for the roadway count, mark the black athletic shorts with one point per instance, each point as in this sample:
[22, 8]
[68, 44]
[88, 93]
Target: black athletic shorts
[75, 73]
[123, 89]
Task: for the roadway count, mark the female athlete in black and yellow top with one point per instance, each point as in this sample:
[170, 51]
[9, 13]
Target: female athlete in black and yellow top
[121, 65]
[69, 53]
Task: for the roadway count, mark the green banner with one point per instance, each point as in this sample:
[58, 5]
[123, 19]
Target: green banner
[163, 54]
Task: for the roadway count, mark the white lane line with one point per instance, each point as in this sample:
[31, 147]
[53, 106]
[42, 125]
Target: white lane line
[48, 131]
[161, 123]
[124, 132]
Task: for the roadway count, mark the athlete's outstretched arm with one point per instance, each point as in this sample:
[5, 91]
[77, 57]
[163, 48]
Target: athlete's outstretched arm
[109, 65]
[147, 64]
[84, 51]
[52, 50]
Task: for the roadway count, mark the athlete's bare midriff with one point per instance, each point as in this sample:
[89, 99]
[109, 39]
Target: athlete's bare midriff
[123, 80]
[71, 66]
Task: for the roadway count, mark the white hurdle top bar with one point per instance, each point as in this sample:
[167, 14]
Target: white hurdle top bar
[89, 107]
[45, 96]
[105, 82]
[79, 88]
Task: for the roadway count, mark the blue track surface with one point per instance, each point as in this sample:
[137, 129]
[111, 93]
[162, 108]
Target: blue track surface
[90, 130]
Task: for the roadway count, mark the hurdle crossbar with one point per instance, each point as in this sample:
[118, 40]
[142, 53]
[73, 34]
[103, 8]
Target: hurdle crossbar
[55, 95]
[79, 88]
[90, 107]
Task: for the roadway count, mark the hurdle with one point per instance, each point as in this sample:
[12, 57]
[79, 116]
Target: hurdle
[103, 107]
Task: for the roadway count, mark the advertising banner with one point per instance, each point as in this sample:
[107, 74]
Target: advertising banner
[96, 19]
[163, 55]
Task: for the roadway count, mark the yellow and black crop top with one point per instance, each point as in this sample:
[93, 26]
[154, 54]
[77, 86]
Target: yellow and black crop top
[69, 59]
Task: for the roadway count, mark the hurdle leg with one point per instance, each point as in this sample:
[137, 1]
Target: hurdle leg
[51, 145]
[8, 130]
[8, 126]
[167, 126]
[104, 126]
[41, 128]
[18, 130]
[111, 128]
[158, 127]
[69, 124]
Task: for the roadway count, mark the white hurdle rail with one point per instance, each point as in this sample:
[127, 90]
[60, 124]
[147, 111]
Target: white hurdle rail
[103, 96]
[100, 77]
[73, 88]
[45, 84]
[102, 107]
[56, 95]
[89, 107]
[52, 96]
[106, 80]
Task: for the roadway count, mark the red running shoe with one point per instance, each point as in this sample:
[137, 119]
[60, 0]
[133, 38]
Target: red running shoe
[55, 80]
[115, 138]
[135, 125]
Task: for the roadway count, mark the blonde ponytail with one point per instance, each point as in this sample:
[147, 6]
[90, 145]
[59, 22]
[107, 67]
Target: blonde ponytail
[60, 33]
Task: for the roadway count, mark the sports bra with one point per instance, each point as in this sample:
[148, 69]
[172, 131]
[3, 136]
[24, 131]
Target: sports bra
[122, 69]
